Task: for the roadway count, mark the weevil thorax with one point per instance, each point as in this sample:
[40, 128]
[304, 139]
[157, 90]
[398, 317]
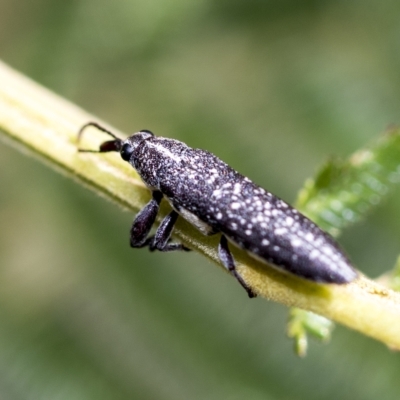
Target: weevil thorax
[151, 156]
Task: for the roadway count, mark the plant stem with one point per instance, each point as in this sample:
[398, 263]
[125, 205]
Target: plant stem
[32, 118]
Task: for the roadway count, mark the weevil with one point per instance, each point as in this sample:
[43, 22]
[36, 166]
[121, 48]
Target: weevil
[215, 198]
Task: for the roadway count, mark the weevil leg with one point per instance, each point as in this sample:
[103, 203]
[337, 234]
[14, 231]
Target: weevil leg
[160, 240]
[144, 221]
[229, 263]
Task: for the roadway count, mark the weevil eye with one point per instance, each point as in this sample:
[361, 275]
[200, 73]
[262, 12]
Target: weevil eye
[126, 151]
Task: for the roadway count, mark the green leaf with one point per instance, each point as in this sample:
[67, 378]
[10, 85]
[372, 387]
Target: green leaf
[302, 323]
[343, 192]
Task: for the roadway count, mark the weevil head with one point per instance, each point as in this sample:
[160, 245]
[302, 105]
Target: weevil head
[128, 146]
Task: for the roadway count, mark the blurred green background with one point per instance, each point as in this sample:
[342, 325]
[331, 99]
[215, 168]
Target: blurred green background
[273, 88]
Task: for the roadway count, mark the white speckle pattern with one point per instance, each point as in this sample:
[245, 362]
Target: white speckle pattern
[296, 242]
[216, 198]
[237, 188]
[289, 221]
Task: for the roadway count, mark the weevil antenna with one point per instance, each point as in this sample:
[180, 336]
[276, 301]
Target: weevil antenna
[117, 142]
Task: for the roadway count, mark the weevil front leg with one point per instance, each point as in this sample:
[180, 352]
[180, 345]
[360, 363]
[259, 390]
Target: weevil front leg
[227, 260]
[144, 221]
[160, 240]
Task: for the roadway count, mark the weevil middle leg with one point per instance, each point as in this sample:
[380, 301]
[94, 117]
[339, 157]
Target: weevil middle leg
[227, 260]
[160, 240]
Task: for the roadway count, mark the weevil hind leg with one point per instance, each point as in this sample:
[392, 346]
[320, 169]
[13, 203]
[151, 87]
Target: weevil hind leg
[227, 260]
[144, 221]
[160, 241]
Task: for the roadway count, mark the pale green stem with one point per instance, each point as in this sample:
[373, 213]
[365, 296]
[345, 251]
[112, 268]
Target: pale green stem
[34, 119]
